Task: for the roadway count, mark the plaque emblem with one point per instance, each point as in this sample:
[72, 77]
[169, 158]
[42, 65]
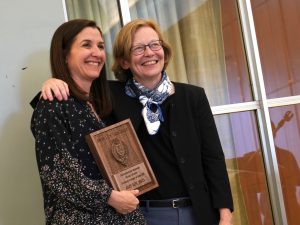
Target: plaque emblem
[120, 151]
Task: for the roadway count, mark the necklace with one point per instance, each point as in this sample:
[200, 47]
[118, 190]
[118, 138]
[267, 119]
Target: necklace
[91, 107]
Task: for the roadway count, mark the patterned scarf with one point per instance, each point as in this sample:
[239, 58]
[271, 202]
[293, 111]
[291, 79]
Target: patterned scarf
[151, 100]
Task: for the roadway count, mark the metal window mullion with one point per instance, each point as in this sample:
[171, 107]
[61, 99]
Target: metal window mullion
[232, 108]
[265, 130]
[64, 5]
[124, 11]
[255, 105]
[283, 101]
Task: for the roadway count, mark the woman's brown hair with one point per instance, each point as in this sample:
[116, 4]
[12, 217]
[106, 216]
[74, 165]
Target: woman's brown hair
[123, 43]
[61, 43]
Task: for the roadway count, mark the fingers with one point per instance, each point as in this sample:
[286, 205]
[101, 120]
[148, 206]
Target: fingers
[128, 209]
[66, 93]
[55, 87]
[135, 192]
[124, 201]
[47, 94]
[125, 211]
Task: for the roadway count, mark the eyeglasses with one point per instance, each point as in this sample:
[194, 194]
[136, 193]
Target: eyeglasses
[140, 49]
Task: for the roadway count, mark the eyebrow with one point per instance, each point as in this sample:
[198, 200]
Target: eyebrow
[89, 40]
[140, 43]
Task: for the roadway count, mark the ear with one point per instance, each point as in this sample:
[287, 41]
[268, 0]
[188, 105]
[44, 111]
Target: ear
[124, 64]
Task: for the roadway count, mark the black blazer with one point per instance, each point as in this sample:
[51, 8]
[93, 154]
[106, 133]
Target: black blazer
[196, 144]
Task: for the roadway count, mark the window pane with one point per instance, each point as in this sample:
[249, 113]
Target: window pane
[206, 39]
[240, 141]
[277, 25]
[106, 14]
[286, 132]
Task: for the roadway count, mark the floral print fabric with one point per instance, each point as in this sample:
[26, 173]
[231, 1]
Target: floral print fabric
[73, 188]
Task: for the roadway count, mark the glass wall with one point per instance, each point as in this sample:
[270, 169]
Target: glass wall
[211, 49]
[285, 126]
[241, 144]
[276, 26]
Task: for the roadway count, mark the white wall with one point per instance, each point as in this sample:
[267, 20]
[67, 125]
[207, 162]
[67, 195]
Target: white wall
[26, 28]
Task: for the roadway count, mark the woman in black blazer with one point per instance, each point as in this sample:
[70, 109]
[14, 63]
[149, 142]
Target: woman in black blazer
[176, 128]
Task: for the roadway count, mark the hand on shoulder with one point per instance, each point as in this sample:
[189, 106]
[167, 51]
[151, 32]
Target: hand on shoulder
[55, 87]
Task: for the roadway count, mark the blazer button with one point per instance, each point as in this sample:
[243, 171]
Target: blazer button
[173, 133]
[182, 160]
[191, 187]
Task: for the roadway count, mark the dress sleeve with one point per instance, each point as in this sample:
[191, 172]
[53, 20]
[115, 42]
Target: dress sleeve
[35, 100]
[60, 172]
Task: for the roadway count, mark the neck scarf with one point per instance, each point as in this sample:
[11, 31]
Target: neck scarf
[151, 100]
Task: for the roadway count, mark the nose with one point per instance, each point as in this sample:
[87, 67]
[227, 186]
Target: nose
[96, 51]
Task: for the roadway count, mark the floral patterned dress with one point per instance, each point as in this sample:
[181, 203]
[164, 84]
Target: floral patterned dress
[73, 188]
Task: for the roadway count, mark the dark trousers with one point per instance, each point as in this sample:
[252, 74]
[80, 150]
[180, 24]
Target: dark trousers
[169, 216]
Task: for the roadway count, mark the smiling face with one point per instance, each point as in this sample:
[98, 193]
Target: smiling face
[86, 57]
[146, 67]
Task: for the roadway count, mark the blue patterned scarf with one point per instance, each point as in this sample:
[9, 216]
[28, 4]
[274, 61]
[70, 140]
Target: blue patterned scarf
[151, 100]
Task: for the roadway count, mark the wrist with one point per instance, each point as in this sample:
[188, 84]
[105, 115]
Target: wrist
[225, 214]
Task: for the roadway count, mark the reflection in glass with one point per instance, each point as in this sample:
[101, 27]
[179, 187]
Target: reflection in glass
[207, 45]
[240, 141]
[277, 25]
[236, 66]
[286, 132]
[105, 13]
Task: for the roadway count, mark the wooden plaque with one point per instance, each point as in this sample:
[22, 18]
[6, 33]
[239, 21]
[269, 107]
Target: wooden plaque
[121, 158]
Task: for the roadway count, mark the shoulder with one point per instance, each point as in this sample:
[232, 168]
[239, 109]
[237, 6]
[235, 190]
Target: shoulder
[55, 106]
[117, 88]
[187, 87]
[116, 84]
[188, 90]
[191, 96]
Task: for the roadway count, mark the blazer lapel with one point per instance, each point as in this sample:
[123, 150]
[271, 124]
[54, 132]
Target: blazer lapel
[125, 107]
